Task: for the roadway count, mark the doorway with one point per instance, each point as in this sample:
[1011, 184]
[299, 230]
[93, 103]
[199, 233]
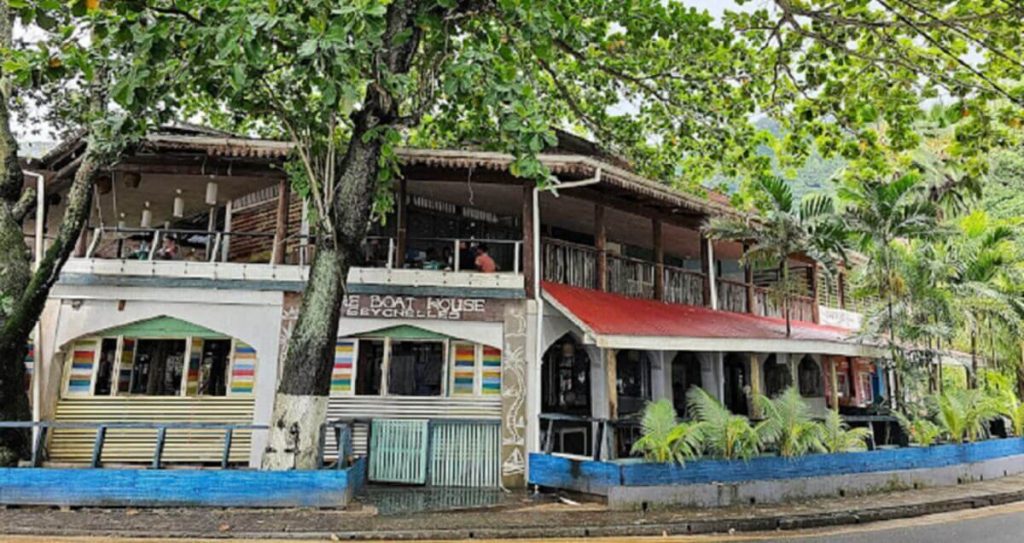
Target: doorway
[685, 374]
[734, 368]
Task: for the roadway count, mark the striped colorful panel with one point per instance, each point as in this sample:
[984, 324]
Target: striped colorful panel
[83, 358]
[463, 368]
[491, 372]
[124, 377]
[195, 360]
[344, 361]
[243, 369]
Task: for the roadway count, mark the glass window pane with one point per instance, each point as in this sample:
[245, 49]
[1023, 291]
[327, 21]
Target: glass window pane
[369, 367]
[158, 367]
[213, 367]
[416, 368]
[105, 370]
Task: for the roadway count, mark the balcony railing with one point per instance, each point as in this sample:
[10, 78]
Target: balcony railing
[569, 264]
[732, 295]
[107, 242]
[631, 277]
[684, 286]
[443, 254]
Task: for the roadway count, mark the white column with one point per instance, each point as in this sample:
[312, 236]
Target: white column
[712, 279]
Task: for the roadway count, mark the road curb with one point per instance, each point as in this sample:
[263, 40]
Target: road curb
[767, 523]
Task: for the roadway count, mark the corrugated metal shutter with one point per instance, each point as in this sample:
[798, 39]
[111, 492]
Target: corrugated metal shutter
[135, 446]
[398, 451]
[464, 454]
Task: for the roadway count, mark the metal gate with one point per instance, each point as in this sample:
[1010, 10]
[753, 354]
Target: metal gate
[464, 454]
[398, 451]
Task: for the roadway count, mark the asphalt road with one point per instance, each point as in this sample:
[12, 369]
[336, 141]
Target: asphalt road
[1000, 524]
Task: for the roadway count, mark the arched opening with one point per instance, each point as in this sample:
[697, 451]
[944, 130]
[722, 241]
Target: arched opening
[734, 368]
[777, 377]
[685, 374]
[812, 385]
[633, 381]
[565, 389]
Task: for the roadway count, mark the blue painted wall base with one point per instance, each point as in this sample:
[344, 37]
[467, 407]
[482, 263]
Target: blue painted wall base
[592, 477]
[181, 488]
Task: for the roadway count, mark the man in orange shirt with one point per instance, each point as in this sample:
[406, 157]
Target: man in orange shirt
[484, 262]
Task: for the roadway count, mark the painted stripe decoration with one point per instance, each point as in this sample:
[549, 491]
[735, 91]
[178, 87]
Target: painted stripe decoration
[463, 369]
[83, 358]
[195, 360]
[491, 371]
[344, 361]
[124, 377]
[243, 368]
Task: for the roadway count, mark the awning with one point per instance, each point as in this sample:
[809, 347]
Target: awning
[620, 322]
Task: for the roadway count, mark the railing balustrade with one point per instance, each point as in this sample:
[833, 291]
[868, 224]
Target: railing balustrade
[630, 277]
[684, 286]
[569, 264]
[113, 242]
[732, 295]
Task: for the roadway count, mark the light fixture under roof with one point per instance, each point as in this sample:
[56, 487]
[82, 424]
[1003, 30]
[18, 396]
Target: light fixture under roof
[211, 193]
[147, 217]
[179, 205]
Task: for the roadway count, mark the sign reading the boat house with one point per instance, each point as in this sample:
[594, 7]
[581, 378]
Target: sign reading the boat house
[389, 306]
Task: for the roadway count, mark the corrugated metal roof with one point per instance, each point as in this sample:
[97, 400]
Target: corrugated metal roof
[614, 315]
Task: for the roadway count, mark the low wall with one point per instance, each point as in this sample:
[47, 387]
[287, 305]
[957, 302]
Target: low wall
[707, 483]
[174, 488]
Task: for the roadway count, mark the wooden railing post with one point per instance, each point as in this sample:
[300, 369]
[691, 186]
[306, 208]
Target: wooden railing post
[601, 244]
[402, 222]
[529, 273]
[659, 260]
[815, 311]
[748, 279]
[281, 222]
[705, 268]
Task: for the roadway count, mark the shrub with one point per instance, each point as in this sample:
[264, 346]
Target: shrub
[962, 414]
[788, 424]
[663, 438]
[722, 433]
[837, 436]
[1013, 409]
[920, 430]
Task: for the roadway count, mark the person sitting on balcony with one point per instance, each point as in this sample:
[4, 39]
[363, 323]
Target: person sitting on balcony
[484, 262]
[467, 256]
[169, 250]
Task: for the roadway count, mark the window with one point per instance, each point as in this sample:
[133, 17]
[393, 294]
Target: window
[105, 370]
[213, 367]
[811, 382]
[158, 367]
[370, 367]
[776, 377]
[416, 368]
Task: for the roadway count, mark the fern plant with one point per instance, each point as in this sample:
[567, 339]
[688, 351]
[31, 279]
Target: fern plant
[663, 438]
[1013, 409]
[920, 430]
[788, 424]
[837, 436]
[962, 414]
[722, 433]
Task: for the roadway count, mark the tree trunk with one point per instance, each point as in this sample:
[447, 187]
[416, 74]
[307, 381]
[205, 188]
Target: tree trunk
[973, 381]
[300, 405]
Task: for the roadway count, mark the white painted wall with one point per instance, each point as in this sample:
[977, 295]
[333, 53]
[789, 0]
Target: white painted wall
[251, 316]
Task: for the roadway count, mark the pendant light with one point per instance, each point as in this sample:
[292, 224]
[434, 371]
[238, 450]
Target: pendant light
[179, 205]
[147, 217]
[121, 224]
[211, 193]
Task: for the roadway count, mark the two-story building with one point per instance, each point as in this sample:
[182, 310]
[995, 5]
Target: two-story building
[500, 317]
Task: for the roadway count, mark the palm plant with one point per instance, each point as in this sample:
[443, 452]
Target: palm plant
[920, 430]
[1012, 408]
[837, 436]
[962, 414]
[665, 439]
[785, 229]
[722, 433]
[788, 424]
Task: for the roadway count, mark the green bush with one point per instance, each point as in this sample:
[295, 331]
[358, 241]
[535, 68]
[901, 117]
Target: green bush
[962, 414]
[663, 438]
[788, 425]
[920, 430]
[837, 436]
[723, 434]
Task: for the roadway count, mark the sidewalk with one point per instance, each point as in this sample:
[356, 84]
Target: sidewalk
[519, 516]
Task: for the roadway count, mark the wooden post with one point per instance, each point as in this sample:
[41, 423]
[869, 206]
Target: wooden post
[748, 279]
[755, 385]
[529, 273]
[659, 260]
[706, 269]
[601, 244]
[841, 289]
[611, 370]
[281, 224]
[82, 244]
[813, 278]
[401, 223]
[834, 379]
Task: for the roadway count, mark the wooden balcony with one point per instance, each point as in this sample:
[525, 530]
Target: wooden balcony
[578, 265]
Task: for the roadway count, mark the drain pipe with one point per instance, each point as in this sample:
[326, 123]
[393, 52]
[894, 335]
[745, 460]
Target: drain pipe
[38, 343]
[534, 382]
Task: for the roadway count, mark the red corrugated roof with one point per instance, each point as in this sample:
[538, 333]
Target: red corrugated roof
[614, 315]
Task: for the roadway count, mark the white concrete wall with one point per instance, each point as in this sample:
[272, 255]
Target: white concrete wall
[251, 316]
